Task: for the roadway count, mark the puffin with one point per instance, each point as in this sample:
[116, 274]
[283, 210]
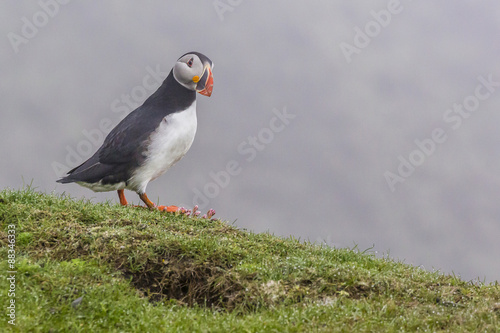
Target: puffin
[152, 138]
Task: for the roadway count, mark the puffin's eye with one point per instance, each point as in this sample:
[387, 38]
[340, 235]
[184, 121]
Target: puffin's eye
[190, 62]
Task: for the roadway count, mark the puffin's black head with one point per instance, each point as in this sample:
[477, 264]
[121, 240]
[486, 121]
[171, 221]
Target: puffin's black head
[194, 71]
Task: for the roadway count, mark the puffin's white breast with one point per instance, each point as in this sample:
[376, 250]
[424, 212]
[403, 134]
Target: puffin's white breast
[168, 144]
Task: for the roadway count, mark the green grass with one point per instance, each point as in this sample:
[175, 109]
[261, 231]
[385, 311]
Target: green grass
[146, 271]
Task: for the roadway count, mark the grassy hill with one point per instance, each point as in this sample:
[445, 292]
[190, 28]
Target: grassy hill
[84, 267]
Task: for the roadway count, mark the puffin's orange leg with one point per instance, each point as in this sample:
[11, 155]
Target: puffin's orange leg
[121, 195]
[150, 204]
[146, 200]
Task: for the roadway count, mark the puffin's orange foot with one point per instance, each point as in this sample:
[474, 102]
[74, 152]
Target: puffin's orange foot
[168, 209]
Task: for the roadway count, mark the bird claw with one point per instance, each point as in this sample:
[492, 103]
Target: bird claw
[168, 209]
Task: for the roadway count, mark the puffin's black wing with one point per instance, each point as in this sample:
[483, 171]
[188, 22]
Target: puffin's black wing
[129, 139]
[121, 152]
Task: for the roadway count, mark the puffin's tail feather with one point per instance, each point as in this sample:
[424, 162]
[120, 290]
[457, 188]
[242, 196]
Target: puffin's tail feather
[65, 180]
[94, 172]
[89, 171]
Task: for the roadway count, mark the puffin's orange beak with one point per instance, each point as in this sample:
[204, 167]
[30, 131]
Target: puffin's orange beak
[206, 82]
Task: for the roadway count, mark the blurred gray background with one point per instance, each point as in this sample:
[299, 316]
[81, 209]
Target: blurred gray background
[362, 86]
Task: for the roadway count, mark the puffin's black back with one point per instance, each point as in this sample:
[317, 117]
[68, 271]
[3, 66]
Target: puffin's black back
[124, 147]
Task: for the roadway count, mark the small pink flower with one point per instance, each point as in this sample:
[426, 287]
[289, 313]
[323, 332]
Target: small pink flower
[210, 213]
[195, 212]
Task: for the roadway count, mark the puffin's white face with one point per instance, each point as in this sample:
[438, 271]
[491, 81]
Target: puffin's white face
[194, 73]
